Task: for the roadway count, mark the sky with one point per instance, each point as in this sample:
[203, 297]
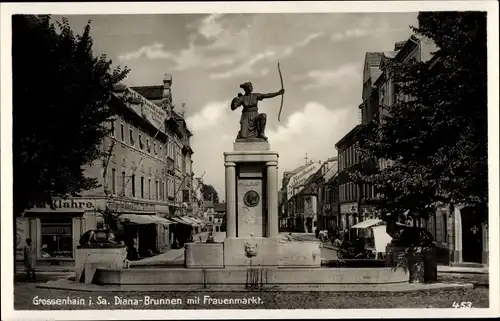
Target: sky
[321, 56]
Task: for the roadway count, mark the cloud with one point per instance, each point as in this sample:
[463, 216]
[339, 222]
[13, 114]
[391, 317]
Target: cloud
[342, 76]
[360, 33]
[246, 68]
[313, 130]
[209, 116]
[154, 51]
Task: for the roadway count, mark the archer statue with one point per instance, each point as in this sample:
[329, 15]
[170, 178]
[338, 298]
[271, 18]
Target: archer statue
[252, 124]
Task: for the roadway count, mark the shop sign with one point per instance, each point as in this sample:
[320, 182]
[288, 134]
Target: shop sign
[73, 203]
[296, 183]
[150, 111]
[348, 208]
[121, 206]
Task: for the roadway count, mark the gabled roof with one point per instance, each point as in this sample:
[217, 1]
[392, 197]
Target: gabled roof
[310, 183]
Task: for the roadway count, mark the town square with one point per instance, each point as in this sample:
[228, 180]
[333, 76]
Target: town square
[276, 161]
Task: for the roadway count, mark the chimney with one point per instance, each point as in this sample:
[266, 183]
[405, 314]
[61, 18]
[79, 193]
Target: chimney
[167, 93]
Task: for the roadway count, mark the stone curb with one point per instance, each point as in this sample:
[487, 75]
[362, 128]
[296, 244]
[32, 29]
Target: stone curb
[396, 287]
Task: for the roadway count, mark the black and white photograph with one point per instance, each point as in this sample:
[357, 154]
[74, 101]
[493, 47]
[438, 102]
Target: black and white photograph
[249, 160]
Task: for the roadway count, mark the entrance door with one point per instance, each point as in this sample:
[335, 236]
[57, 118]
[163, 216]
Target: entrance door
[472, 238]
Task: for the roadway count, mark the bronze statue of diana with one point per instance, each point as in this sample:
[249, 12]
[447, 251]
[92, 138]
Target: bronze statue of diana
[252, 124]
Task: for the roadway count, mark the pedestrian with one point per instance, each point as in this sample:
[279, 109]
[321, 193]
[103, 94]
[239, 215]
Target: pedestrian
[30, 259]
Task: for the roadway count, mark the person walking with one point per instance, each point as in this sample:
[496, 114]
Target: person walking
[30, 259]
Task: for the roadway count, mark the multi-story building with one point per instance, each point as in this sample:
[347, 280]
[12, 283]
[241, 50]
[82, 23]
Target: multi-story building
[460, 234]
[349, 190]
[326, 186]
[287, 221]
[135, 180]
[179, 152]
[301, 218]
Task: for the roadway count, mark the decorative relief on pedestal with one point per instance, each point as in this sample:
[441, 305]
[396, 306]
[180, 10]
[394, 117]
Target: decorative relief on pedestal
[251, 198]
[251, 250]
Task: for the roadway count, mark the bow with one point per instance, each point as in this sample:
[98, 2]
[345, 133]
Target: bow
[281, 78]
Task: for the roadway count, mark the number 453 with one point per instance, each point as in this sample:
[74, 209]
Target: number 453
[458, 305]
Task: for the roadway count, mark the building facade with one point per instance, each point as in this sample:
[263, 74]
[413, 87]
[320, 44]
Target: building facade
[327, 191]
[135, 178]
[460, 233]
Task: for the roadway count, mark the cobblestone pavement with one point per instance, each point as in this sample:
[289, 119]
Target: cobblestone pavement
[25, 294]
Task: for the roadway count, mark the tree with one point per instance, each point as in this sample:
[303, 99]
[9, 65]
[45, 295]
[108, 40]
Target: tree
[60, 115]
[208, 191]
[437, 140]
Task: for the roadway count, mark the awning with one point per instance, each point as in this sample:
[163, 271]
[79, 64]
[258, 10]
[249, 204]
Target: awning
[144, 219]
[137, 219]
[178, 220]
[197, 220]
[189, 221]
[161, 220]
[367, 223]
[192, 220]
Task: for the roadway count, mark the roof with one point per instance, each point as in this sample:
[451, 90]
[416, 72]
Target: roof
[221, 207]
[150, 92]
[309, 183]
[372, 62]
[350, 134]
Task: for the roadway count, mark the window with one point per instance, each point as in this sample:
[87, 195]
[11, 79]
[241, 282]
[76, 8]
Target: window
[141, 145]
[122, 132]
[123, 184]
[133, 185]
[434, 227]
[142, 186]
[113, 181]
[149, 188]
[131, 137]
[57, 237]
[154, 148]
[210, 218]
[113, 129]
[161, 151]
[156, 189]
[445, 227]
[148, 148]
[185, 196]
[100, 221]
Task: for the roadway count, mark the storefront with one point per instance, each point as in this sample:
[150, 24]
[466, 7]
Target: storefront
[55, 232]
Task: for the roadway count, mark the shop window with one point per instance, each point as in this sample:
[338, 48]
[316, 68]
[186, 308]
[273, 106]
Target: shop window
[100, 221]
[57, 238]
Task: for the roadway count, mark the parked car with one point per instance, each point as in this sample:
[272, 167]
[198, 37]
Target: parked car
[413, 236]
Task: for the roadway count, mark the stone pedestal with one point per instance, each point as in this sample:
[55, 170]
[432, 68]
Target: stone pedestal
[252, 236]
[88, 259]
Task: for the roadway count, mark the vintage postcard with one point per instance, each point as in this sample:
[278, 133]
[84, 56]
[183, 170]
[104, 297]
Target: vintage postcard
[253, 160]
